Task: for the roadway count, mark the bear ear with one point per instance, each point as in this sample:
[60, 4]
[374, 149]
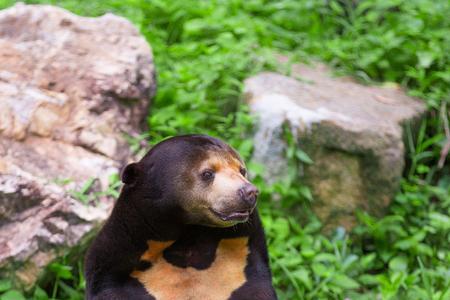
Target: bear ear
[130, 173]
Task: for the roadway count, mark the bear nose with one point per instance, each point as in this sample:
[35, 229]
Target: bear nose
[248, 194]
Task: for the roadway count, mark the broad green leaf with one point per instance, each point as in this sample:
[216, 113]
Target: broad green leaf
[398, 263]
[40, 294]
[12, 295]
[344, 281]
[5, 284]
[303, 276]
[303, 157]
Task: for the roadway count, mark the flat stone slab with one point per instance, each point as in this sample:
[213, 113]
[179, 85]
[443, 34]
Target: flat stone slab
[71, 90]
[353, 133]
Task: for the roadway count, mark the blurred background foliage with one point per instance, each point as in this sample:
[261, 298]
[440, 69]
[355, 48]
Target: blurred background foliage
[205, 49]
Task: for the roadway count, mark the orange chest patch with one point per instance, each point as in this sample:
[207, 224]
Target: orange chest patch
[168, 282]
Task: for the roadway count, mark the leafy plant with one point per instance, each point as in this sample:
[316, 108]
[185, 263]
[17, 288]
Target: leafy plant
[86, 194]
[7, 292]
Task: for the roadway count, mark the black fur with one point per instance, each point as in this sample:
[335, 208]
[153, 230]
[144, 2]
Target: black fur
[147, 210]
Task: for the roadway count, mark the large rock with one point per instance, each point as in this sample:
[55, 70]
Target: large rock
[39, 223]
[71, 89]
[353, 133]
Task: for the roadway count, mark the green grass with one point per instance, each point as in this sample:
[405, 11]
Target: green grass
[203, 51]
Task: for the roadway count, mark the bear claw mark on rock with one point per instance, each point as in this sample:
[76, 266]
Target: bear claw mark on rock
[70, 87]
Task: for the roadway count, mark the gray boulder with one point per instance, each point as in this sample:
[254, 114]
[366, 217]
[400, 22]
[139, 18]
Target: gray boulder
[353, 133]
[71, 89]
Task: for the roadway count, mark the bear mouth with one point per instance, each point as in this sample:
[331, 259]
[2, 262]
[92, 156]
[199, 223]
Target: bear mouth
[240, 216]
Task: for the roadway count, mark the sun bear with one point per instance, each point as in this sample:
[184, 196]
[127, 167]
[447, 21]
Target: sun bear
[185, 226]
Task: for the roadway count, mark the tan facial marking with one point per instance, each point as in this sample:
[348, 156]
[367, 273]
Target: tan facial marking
[168, 282]
[227, 173]
[218, 162]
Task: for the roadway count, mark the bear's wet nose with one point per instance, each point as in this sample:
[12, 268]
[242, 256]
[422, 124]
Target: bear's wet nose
[248, 194]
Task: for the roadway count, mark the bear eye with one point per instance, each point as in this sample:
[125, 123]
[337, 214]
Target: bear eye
[243, 171]
[207, 175]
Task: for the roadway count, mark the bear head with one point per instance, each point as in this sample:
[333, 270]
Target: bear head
[195, 179]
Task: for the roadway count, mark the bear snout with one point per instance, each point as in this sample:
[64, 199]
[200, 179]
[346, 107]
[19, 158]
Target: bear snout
[248, 194]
